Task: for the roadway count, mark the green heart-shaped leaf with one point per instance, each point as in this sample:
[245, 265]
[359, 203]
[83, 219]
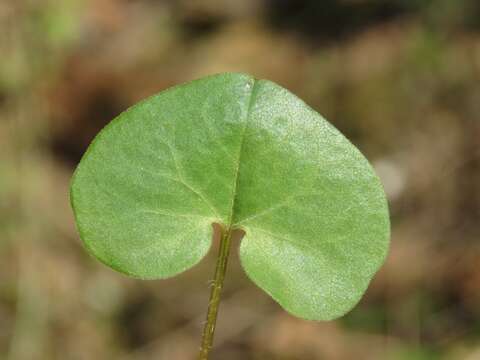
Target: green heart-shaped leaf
[248, 154]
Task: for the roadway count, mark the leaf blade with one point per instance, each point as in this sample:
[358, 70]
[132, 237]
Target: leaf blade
[249, 154]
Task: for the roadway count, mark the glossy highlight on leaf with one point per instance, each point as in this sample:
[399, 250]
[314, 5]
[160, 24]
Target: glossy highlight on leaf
[247, 154]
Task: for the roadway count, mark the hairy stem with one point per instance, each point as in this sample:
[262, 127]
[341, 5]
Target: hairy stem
[220, 269]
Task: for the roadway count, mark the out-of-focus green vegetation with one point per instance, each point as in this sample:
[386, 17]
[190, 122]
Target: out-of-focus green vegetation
[399, 78]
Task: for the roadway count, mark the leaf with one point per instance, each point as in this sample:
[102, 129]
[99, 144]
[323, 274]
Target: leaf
[248, 154]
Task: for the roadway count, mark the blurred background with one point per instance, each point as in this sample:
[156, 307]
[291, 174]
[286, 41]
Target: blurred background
[401, 78]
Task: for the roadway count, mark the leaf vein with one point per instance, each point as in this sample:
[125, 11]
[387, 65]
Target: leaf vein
[179, 168]
[253, 85]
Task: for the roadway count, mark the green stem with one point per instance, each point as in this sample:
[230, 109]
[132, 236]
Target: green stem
[214, 303]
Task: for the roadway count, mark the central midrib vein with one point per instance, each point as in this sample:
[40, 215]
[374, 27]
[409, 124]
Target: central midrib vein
[253, 86]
